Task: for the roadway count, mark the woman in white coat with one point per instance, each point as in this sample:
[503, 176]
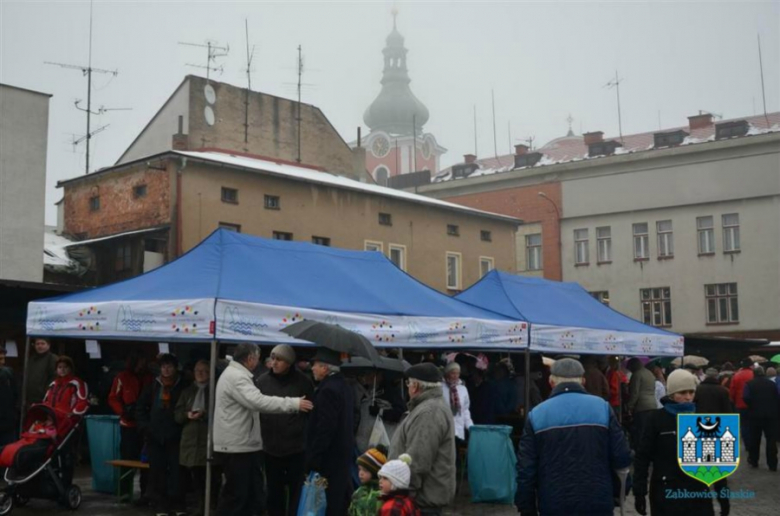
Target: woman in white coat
[457, 396]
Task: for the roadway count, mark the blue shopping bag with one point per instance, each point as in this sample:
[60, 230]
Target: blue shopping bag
[313, 502]
[492, 464]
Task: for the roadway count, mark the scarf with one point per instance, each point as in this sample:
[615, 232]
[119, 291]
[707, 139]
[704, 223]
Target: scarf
[454, 398]
[165, 392]
[678, 408]
[199, 403]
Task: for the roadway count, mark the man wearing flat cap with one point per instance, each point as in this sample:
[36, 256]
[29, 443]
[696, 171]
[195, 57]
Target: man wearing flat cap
[284, 435]
[330, 438]
[570, 446]
[428, 436]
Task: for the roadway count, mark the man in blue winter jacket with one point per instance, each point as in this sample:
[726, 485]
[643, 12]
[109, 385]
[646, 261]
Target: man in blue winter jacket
[570, 446]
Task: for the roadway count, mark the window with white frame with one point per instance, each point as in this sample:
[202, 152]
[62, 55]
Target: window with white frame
[731, 232]
[722, 304]
[641, 247]
[602, 296]
[665, 240]
[398, 255]
[705, 227]
[370, 245]
[533, 250]
[604, 244]
[581, 246]
[656, 306]
[486, 264]
[453, 271]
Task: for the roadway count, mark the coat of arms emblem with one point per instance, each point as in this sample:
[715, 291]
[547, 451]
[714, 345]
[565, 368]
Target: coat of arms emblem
[708, 445]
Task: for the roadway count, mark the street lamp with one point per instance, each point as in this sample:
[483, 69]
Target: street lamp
[557, 210]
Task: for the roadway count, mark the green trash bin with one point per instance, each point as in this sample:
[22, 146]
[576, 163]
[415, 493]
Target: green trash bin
[103, 435]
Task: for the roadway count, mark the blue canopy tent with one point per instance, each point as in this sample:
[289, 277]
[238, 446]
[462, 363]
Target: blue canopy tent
[565, 318]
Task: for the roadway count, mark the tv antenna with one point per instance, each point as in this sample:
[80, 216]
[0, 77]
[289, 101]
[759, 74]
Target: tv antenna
[529, 141]
[495, 143]
[298, 118]
[213, 52]
[87, 71]
[475, 130]
[763, 92]
[76, 141]
[249, 56]
[615, 83]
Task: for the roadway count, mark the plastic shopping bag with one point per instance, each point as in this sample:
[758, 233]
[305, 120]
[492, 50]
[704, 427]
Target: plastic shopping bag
[379, 434]
[313, 502]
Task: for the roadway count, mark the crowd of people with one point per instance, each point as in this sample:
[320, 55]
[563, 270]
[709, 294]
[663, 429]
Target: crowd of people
[275, 423]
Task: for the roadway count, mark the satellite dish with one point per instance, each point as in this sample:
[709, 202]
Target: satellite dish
[211, 95]
[209, 114]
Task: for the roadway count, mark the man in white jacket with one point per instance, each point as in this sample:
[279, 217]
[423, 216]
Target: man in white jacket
[237, 438]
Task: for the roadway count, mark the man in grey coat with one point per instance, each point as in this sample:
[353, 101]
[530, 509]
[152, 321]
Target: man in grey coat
[428, 436]
[641, 398]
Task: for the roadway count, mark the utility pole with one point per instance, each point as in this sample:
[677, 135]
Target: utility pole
[87, 71]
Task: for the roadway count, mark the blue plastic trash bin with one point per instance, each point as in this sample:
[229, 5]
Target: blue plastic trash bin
[492, 464]
[103, 435]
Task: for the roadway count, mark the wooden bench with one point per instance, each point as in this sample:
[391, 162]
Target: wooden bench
[130, 466]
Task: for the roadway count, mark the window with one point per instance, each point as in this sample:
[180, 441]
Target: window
[453, 230]
[485, 236]
[271, 202]
[722, 305]
[318, 240]
[94, 203]
[281, 235]
[373, 246]
[398, 255]
[604, 244]
[230, 195]
[381, 176]
[665, 241]
[656, 306]
[230, 227]
[533, 250]
[580, 246]
[602, 296]
[731, 233]
[641, 251]
[385, 219]
[706, 231]
[139, 191]
[453, 271]
[486, 264]
[124, 258]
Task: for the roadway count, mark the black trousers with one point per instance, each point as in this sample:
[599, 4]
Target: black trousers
[285, 476]
[197, 476]
[243, 480]
[165, 474]
[769, 428]
[638, 427]
[130, 446]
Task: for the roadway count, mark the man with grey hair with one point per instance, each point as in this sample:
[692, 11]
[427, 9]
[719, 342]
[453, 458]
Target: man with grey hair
[571, 444]
[428, 436]
[237, 437]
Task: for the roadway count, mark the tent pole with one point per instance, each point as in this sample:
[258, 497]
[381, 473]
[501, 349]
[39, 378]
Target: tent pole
[210, 433]
[527, 400]
[24, 383]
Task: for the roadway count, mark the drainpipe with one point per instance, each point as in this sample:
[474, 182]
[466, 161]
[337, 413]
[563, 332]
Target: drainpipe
[179, 222]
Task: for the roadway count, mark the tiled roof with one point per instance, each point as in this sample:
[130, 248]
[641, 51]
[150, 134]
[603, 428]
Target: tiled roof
[573, 148]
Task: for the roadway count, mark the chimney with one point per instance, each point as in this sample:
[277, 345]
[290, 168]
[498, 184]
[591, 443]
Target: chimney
[521, 149]
[593, 137]
[700, 121]
[469, 158]
[180, 140]
[358, 140]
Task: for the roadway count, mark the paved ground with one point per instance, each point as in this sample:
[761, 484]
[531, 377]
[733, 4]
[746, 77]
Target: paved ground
[764, 483]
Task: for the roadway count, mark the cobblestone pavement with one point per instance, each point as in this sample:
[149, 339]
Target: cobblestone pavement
[764, 483]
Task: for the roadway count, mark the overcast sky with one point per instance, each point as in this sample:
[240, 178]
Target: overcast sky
[544, 60]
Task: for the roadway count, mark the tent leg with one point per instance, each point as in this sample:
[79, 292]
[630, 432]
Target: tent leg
[24, 382]
[527, 400]
[210, 434]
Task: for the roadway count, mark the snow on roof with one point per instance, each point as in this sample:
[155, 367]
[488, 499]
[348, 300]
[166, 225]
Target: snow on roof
[72, 243]
[55, 255]
[328, 179]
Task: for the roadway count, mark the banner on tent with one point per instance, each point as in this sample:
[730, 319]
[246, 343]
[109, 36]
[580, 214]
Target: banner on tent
[133, 319]
[556, 339]
[258, 322]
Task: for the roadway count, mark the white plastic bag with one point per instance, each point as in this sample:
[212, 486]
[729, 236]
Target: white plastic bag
[379, 434]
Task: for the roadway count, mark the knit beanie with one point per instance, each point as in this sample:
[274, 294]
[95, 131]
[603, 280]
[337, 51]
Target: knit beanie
[373, 460]
[680, 380]
[398, 472]
[284, 352]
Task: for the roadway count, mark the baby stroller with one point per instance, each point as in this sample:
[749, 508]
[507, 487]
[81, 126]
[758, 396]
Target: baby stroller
[40, 464]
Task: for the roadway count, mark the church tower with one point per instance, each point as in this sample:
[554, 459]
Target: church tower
[397, 142]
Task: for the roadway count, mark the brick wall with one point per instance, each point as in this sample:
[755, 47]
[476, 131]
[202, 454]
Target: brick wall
[119, 209]
[525, 203]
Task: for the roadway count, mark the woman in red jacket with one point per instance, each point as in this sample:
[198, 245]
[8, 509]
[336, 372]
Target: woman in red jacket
[67, 394]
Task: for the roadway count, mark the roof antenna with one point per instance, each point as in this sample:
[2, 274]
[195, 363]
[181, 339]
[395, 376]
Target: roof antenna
[615, 83]
[213, 52]
[763, 92]
[298, 118]
[249, 56]
[495, 144]
[476, 152]
[88, 70]
[509, 134]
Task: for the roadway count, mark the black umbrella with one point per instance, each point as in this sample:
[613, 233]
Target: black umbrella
[333, 337]
[360, 364]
